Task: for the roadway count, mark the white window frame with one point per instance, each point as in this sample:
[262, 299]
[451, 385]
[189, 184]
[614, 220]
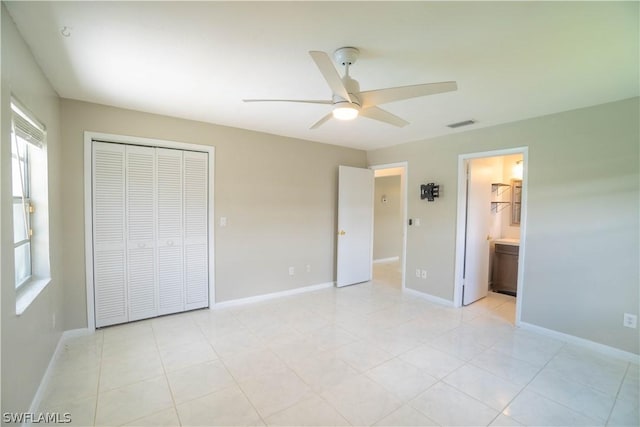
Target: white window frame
[24, 199]
[26, 127]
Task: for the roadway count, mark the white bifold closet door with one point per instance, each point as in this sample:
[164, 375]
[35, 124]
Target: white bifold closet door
[141, 242]
[170, 231]
[150, 232]
[195, 230]
[109, 237]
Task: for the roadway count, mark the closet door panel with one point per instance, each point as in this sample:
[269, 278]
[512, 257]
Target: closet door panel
[141, 242]
[196, 203]
[141, 279]
[197, 276]
[169, 231]
[109, 240]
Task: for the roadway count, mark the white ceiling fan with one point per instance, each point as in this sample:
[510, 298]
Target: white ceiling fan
[347, 100]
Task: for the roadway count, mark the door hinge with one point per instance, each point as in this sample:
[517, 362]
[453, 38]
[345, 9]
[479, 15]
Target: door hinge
[31, 209]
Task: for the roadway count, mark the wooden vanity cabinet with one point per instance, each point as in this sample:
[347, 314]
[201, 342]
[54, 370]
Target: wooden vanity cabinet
[505, 269]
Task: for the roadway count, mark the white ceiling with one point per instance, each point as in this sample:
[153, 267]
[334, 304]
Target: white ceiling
[198, 60]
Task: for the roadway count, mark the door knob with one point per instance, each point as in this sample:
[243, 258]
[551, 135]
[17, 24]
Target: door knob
[342, 232]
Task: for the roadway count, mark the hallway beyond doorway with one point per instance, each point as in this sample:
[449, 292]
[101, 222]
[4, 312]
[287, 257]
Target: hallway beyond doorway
[388, 273]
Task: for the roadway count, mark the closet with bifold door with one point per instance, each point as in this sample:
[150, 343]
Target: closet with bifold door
[150, 231]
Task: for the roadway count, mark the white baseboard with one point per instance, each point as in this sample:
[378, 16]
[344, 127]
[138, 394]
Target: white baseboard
[46, 378]
[44, 382]
[274, 295]
[72, 333]
[582, 342]
[428, 297]
[381, 260]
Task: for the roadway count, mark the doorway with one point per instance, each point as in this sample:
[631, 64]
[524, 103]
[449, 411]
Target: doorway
[491, 231]
[389, 231]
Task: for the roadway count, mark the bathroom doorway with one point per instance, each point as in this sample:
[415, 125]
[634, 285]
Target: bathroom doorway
[491, 225]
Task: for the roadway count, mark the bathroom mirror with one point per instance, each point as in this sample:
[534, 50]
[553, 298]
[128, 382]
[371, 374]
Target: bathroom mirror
[516, 201]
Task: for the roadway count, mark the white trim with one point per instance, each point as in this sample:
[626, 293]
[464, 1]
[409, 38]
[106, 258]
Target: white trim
[46, 378]
[29, 291]
[88, 230]
[462, 207]
[582, 342]
[404, 177]
[149, 142]
[391, 259]
[44, 382]
[74, 333]
[274, 295]
[428, 297]
[89, 137]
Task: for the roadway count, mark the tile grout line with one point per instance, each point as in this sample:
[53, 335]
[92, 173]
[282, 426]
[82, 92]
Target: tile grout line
[615, 401]
[95, 411]
[531, 391]
[166, 378]
[468, 362]
[235, 380]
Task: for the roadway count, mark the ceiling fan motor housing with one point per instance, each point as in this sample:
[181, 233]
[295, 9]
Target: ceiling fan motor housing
[346, 55]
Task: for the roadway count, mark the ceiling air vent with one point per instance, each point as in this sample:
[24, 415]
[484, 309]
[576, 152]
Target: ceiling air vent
[460, 124]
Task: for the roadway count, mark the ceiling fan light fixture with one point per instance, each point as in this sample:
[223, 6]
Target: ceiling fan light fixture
[345, 112]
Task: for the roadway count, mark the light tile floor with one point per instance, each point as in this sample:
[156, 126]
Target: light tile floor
[361, 355]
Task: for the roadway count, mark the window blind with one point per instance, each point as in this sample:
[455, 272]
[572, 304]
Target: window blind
[26, 127]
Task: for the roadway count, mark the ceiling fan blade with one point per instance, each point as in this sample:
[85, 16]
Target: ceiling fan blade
[321, 121]
[330, 73]
[382, 96]
[381, 115]
[305, 101]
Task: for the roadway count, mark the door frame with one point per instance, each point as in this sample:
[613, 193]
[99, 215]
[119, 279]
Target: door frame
[403, 191]
[89, 137]
[461, 220]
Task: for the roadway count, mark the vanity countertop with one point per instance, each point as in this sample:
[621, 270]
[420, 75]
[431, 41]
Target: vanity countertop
[514, 242]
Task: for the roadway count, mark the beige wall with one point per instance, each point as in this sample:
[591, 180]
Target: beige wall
[387, 224]
[278, 194]
[581, 266]
[28, 340]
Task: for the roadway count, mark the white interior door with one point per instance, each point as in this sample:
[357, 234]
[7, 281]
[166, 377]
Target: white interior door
[355, 225]
[478, 225]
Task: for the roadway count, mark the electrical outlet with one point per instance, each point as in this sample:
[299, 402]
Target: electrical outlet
[292, 271]
[417, 272]
[630, 321]
[223, 221]
[417, 222]
[424, 274]
[308, 268]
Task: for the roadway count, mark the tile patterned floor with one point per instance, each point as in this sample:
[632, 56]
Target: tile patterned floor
[361, 355]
